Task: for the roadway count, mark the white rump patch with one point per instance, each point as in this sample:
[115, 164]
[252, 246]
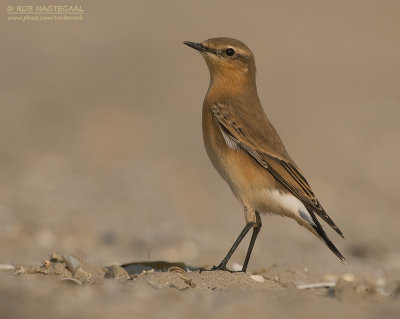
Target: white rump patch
[289, 203]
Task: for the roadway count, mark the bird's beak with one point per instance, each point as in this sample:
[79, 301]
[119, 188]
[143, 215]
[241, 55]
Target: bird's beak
[197, 46]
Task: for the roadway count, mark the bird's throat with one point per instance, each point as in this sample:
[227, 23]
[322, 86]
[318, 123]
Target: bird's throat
[231, 84]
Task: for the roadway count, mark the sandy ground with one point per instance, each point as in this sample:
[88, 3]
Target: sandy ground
[101, 158]
[70, 287]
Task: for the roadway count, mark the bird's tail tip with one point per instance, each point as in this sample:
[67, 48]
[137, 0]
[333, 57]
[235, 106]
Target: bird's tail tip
[322, 235]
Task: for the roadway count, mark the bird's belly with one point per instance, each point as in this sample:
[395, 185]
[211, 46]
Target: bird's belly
[242, 173]
[250, 182]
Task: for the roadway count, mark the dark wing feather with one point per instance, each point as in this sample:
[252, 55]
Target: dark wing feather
[318, 228]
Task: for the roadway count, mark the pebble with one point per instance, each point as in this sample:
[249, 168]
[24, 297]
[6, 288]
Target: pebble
[116, 272]
[257, 278]
[236, 267]
[55, 257]
[72, 263]
[348, 277]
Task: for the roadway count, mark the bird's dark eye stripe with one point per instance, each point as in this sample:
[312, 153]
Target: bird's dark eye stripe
[230, 52]
[211, 50]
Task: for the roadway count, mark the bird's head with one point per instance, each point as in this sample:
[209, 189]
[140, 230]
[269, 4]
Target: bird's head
[227, 58]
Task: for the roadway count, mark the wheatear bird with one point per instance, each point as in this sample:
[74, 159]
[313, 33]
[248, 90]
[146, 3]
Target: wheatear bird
[246, 150]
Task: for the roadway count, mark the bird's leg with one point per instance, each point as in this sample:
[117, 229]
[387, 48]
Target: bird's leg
[256, 230]
[222, 265]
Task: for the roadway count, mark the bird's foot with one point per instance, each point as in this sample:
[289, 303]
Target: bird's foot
[220, 267]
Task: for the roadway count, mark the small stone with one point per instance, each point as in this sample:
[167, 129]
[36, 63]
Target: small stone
[72, 263]
[116, 272]
[56, 258]
[89, 273]
[237, 267]
[257, 278]
[348, 277]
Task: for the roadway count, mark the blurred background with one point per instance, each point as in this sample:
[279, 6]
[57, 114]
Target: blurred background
[101, 150]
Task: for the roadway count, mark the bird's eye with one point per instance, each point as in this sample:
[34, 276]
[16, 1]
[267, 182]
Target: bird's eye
[230, 52]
